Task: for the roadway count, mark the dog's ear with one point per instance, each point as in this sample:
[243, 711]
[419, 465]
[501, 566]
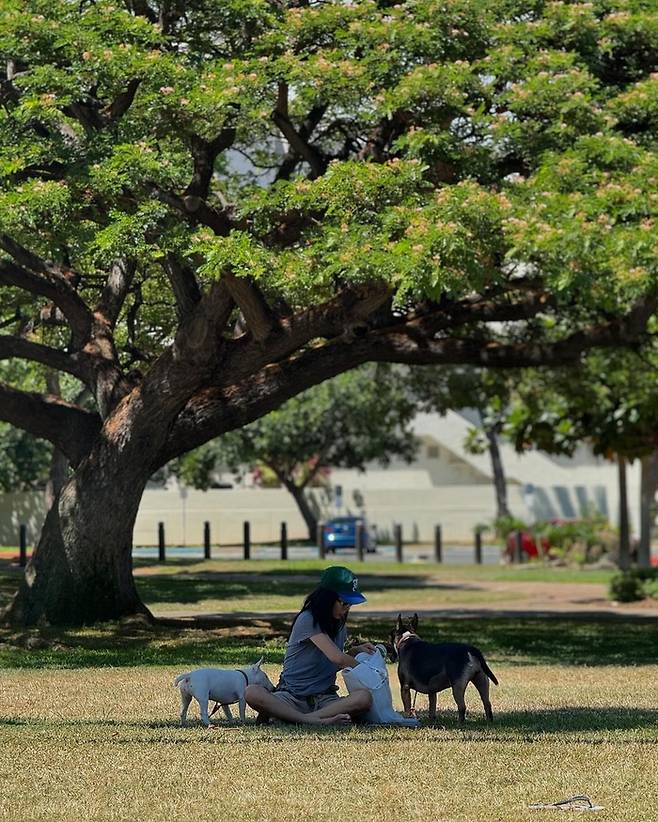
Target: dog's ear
[259, 663]
[414, 623]
[399, 623]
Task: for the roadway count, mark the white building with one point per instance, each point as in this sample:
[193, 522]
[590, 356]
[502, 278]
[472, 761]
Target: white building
[444, 485]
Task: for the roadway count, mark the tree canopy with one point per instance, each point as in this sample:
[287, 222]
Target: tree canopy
[206, 208]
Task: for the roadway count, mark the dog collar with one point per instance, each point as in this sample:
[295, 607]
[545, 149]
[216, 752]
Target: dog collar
[405, 636]
[246, 678]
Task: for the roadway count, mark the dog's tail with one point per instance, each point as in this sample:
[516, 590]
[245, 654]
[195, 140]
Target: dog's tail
[180, 678]
[489, 673]
[485, 667]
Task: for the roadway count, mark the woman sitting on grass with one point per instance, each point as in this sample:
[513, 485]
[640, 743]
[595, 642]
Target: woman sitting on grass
[314, 654]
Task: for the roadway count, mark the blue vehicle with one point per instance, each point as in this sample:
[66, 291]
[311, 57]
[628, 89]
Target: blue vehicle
[340, 532]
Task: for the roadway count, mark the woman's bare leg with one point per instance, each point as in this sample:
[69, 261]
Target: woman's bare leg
[335, 713]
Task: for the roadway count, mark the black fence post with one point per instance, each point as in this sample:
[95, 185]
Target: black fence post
[320, 540]
[206, 540]
[398, 543]
[438, 544]
[478, 546]
[284, 541]
[518, 547]
[161, 542]
[359, 540]
[22, 546]
[246, 530]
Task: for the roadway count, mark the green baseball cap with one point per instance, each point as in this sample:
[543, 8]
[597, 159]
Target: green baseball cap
[342, 581]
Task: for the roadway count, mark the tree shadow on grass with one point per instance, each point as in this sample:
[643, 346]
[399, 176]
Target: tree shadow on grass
[186, 589]
[541, 641]
[133, 643]
[570, 720]
[577, 724]
[576, 719]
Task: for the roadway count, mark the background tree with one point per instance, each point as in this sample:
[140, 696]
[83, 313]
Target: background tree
[24, 460]
[346, 422]
[483, 392]
[461, 183]
[610, 402]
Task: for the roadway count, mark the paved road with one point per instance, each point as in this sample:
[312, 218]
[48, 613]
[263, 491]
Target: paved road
[452, 554]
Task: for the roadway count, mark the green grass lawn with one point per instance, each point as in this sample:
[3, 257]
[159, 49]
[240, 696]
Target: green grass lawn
[228, 586]
[310, 569]
[89, 717]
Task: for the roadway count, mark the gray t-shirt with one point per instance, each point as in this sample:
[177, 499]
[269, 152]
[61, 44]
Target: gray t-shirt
[306, 670]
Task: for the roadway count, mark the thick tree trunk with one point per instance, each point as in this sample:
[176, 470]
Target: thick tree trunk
[624, 560]
[304, 508]
[500, 483]
[81, 570]
[649, 485]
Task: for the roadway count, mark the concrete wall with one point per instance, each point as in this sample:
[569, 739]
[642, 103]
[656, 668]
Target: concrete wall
[15, 509]
[457, 508]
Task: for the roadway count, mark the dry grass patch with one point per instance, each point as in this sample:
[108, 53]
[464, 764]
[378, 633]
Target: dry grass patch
[104, 744]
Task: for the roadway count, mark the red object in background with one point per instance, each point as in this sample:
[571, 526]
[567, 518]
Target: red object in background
[528, 544]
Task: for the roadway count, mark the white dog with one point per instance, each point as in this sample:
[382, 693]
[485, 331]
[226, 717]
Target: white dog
[223, 686]
[371, 673]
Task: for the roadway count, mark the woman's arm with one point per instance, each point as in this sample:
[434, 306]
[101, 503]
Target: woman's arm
[332, 652]
[368, 647]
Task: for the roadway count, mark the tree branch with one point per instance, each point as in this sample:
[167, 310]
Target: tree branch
[120, 105]
[298, 142]
[70, 428]
[184, 285]
[116, 290]
[388, 129]
[205, 153]
[305, 130]
[258, 316]
[236, 402]
[196, 209]
[20, 348]
[54, 286]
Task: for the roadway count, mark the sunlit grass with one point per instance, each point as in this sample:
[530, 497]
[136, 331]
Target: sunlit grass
[526, 572]
[89, 716]
[105, 745]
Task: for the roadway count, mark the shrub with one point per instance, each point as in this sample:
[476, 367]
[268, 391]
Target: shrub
[581, 541]
[503, 526]
[626, 587]
[634, 585]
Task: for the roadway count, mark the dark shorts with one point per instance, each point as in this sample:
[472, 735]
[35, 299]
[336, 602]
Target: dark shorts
[306, 704]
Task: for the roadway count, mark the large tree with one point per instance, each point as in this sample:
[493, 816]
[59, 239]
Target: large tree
[355, 418]
[206, 208]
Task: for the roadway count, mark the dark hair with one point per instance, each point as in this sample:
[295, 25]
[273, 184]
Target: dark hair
[321, 605]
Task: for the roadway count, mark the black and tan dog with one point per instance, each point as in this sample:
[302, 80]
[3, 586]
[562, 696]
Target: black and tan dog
[430, 668]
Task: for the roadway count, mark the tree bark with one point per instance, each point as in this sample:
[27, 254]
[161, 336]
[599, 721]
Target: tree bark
[58, 463]
[500, 482]
[624, 559]
[81, 570]
[649, 486]
[304, 508]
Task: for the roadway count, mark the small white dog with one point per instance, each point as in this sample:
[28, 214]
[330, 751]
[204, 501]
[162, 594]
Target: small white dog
[371, 673]
[223, 686]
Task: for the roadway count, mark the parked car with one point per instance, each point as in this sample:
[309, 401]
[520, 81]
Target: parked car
[340, 532]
